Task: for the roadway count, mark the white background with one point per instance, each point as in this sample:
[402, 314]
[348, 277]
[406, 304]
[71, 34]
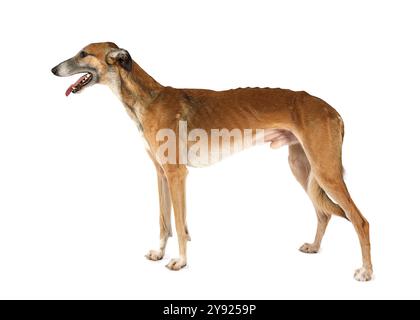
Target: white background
[78, 194]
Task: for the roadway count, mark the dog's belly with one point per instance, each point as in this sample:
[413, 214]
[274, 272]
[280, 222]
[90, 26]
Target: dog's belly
[210, 151]
[197, 159]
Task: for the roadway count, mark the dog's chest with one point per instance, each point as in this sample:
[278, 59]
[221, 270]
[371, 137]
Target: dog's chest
[135, 116]
[131, 111]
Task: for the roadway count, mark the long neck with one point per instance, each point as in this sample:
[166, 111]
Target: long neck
[137, 91]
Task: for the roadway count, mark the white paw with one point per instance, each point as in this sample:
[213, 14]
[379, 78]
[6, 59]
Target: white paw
[309, 248]
[176, 264]
[154, 255]
[363, 274]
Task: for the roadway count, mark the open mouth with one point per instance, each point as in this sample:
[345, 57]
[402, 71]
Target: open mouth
[79, 84]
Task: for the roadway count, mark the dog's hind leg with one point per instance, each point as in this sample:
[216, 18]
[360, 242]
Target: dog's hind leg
[322, 143]
[165, 214]
[334, 184]
[324, 207]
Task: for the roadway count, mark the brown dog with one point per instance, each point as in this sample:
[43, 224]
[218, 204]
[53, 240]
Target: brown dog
[313, 130]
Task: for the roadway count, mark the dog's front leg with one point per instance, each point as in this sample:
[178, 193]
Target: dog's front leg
[165, 213]
[176, 175]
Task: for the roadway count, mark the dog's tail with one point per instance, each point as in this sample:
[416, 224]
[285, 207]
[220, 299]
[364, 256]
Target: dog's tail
[322, 201]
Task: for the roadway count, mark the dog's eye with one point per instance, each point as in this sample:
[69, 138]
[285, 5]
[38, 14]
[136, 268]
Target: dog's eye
[83, 54]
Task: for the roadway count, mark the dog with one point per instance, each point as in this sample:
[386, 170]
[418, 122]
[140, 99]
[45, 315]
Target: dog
[312, 130]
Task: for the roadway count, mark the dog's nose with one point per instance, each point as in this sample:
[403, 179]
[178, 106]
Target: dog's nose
[54, 70]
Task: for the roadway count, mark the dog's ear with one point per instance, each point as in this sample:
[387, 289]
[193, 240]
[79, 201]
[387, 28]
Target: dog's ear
[120, 56]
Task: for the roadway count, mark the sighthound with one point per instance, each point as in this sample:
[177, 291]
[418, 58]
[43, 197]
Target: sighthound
[310, 127]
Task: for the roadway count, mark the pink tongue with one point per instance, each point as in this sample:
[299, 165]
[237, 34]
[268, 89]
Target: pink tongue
[70, 89]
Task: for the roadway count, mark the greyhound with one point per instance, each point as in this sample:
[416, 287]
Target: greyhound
[312, 130]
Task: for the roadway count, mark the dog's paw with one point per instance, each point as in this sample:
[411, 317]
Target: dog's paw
[154, 255]
[363, 274]
[176, 264]
[309, 248]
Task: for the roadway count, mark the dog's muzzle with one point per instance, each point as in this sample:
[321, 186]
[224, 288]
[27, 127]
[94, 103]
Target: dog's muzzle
[55, 70]
[69, 68]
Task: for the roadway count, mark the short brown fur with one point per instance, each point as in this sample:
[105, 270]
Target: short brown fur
[315, 160]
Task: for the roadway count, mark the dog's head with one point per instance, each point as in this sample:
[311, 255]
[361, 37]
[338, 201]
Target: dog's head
[102, 63]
